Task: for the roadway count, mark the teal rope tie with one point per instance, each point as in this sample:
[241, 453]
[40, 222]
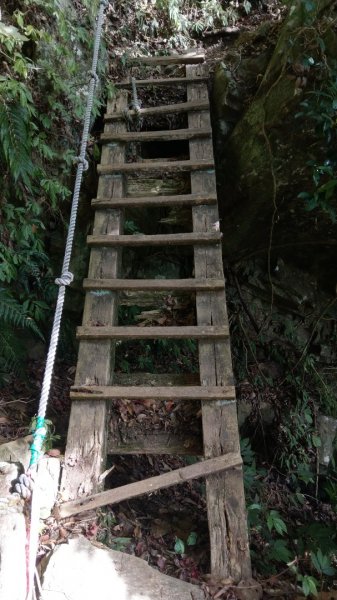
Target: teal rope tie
[39, 436]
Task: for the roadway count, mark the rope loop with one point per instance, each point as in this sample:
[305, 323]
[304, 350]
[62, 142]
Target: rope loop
[94, 76]
[82, 161]
[66, 278]
[24, 485]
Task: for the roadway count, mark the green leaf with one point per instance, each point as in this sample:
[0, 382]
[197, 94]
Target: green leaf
[316, 441]
[279, 551]
[192, 539]
[309, 585]
[274, 521]
[10, 31]
[179, 546]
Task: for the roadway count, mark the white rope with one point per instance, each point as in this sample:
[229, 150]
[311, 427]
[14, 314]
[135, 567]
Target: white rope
[65, 279]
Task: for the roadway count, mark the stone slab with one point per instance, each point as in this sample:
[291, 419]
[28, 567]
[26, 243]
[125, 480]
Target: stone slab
[79, 570]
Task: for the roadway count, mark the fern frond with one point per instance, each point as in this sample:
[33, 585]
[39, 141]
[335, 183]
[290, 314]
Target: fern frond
[14, 139]
[12, 313]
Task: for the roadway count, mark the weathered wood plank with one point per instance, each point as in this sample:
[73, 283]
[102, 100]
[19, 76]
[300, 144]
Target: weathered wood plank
[165, 81]
[187, 392]
[144, 333]
[182, 200]
[156, 136]
[154, 284]
[225, 494]
[161, 379]
[190, 58]
[169, 109]
[169, 239]
[153, 484]
[86, 443]
[155, 442]
[173, 166]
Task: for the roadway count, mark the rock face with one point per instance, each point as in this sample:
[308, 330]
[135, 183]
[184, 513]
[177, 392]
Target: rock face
[80, 571]
[12, 537]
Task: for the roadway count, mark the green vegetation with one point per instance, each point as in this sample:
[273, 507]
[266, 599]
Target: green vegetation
[282, 219]
[44, 49]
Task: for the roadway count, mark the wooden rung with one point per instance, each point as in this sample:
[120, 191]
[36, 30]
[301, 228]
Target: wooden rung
[183, 200]
[185, 392]
[157, 379]
[191, 58]
[155, 442]
[182, 107]
[157, 136]
[153, 484]
[160, 165]
[104, 332]
[162, 82]
[155, 284]
[169, 239]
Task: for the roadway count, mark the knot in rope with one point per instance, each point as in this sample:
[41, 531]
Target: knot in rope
[94, 76]
[136, 105]
[24, 485]
[66, 278]
[83, 161]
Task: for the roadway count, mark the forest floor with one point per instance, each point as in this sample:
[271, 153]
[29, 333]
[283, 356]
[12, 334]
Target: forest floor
[168, 529]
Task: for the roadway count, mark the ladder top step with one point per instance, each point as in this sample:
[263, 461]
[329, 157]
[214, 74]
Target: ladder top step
[154, 284]
[163, 166]
[141, 333]
[190, 58]
[182, 200]
[155, 393]
[160, 110]
[150, 136]
[170, 239]
[162, 81]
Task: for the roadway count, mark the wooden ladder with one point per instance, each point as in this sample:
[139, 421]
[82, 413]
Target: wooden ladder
[88, 442]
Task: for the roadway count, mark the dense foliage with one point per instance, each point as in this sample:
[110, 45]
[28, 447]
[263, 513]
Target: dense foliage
[44, 49]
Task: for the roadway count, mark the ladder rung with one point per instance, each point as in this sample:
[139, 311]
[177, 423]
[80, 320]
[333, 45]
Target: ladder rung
[169, 239]
[162, 82]
[182, 107]
[155, 442]
[183, 200]
[156, 136]
[154, 284]
[185, 392]
[105, 332]
[163, 166]
[191, 58]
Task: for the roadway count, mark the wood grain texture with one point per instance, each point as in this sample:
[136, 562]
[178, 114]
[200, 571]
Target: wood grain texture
[153, 442]
[153, 484]
[145, 333]
[168, 109]
[225, 495]
[87, 433]
[187, 392]
[156, 136]
[154, 284]
[147, 201]
[190, 58]
[167, 166]
[169, 239]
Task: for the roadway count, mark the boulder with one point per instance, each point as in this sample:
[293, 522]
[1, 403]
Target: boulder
[78, 570]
